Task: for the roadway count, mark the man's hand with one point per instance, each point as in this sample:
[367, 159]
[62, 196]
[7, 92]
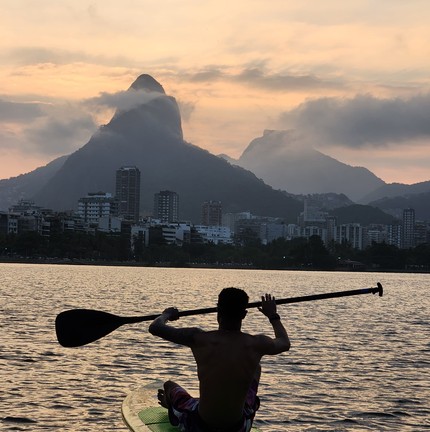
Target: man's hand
[268, 305]
[171, 314]
[281, 342]
[181, 336]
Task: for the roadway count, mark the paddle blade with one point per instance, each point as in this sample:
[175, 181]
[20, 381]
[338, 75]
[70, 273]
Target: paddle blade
[79, 327]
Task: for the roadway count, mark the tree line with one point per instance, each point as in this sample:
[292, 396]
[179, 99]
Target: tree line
[248, 251]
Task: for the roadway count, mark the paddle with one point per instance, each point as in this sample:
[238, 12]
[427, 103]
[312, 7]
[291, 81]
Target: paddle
[77, 327]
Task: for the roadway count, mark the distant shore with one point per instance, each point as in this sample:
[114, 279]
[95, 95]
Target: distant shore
[221, 266]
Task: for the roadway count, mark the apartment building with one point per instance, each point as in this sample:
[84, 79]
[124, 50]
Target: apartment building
[166, 206]
[127, 192]
[97, 205]
[211, 213]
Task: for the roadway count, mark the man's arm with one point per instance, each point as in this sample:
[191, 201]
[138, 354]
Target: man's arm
[281, 342]
[160, 328]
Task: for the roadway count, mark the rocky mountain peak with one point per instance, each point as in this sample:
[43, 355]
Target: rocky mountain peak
[146, 82]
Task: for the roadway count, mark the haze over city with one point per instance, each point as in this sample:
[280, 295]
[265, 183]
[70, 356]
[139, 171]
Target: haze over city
[351, 78]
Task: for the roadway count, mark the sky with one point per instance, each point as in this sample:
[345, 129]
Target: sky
[352, 78]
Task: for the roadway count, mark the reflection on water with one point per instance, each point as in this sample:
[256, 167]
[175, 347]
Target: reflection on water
[356, 364]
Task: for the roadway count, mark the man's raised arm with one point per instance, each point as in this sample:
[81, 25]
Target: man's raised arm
[281, 342]
[159, 327]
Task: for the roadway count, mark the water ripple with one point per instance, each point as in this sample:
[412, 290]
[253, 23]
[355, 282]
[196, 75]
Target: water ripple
[356, 364]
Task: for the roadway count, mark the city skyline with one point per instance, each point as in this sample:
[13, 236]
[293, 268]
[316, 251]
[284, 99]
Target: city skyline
[352, 78]
[98, 212]
[105, 212]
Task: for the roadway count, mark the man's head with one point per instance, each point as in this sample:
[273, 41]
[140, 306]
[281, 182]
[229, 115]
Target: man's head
[232, 303]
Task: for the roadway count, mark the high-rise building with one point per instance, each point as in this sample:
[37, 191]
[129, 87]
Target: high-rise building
[95, 206]
[231, 219]
[312, 214]
[331, 223]
[127, 192]
[4, 223]
[166, 206]
[25, 207]
[351, 233]
[394, 235]
[421, 233]
[408, 228]
[212, 213]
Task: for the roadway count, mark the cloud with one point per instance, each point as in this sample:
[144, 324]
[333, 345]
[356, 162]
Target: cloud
[258, 76]
[186, 109]
[361, 121]
[57, 128]
[210, 73]
[123, 100]
[44, 129]
[282, 82]
[33, 55]
[57, 135]
[17, 112]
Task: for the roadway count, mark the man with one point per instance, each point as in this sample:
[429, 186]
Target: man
[228, 366]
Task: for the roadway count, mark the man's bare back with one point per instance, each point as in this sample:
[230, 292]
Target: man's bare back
[228, 360]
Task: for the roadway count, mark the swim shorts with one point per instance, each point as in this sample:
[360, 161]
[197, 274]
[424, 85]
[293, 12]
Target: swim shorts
[183, 411]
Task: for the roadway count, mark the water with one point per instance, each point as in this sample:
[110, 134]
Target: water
[356, 364]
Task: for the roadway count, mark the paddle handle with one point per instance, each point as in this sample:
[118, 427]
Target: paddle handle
[375, 290]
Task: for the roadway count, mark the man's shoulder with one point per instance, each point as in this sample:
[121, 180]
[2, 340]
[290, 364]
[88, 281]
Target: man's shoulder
[261, 341]
[191, 331]
[222, 335]
[183, 336]
[247, 338]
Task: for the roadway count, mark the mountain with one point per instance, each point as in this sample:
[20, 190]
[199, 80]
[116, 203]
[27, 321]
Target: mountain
[25, 186]
[282, 161]
[393, 198]
[326, 201]
[149, 135]
[420, 202]
[396, 190]
[362, 214]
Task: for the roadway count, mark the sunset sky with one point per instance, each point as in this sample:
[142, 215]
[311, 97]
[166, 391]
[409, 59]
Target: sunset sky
[352, 77]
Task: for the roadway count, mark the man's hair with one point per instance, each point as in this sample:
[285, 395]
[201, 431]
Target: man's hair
[232, 303]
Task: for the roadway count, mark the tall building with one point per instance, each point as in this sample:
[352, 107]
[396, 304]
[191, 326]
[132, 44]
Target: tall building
[4, 223]
[352, 233]
[127, 192]
[312, 214]
[394, 235]
[331, 223]
[95, 206]
[230, 219]
[212, 213]
[166, 206]
[421, 233]
[408, 228]
[25, 207]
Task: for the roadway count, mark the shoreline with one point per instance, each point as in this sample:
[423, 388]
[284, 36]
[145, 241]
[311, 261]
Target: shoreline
[220, 266]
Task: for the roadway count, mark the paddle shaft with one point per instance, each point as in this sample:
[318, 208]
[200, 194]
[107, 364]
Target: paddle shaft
[312, 297]
[77, 327]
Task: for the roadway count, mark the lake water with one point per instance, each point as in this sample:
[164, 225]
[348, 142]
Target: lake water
[356, 364]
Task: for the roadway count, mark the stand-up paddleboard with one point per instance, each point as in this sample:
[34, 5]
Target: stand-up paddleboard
[141, 413]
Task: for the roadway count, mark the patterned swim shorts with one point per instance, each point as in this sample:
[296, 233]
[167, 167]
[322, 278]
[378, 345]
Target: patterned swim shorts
[183, 411]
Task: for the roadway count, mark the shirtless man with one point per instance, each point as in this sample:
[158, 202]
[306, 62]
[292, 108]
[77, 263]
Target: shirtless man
[228, 366]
